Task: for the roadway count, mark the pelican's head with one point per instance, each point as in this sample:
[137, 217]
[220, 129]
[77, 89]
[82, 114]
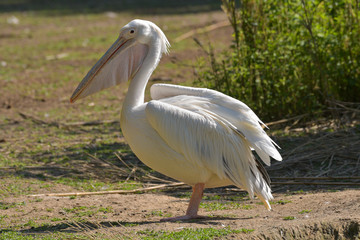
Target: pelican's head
[124, 58]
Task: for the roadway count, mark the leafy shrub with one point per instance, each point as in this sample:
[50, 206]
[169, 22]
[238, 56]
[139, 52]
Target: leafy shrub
[288, 57]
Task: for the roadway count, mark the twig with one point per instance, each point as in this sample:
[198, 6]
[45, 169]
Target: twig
[311, 141]
[122, 160]
[106, 162]
[202, 30]
[81, 226]
[142, 170]
[347, 108]
[158, 179]
[330, 162]
[139, 190]
[37, 120]
[131, 173]
[357, 164]
[235, 190]
[286, 120]
[96, 159]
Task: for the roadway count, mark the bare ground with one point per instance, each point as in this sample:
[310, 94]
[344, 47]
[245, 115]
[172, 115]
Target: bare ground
[311, 215]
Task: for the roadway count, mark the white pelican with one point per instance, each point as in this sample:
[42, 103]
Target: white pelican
[198, 136]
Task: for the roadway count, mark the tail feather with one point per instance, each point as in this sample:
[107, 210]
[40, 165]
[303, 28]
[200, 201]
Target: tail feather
[263, 172]
[266, 202]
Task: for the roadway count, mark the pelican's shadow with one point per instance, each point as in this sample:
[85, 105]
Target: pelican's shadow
[78, 227]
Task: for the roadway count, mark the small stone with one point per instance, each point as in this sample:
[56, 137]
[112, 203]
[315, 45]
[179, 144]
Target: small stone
[13, 20]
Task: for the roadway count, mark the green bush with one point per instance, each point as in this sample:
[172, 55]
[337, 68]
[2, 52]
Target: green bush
[288, 57]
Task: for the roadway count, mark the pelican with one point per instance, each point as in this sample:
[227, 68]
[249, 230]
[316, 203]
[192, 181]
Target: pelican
[198, 136]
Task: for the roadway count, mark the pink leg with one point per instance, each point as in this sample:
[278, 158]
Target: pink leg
[191, 212]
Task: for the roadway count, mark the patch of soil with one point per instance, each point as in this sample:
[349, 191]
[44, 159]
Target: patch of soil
[319, 215]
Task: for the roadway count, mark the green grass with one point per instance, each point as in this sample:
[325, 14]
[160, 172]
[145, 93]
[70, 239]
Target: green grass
[212, 197]
[13, 235]
[295, 192]
[105, 209]
[158, 213]
[305, 211]
[289, 218]
[82, 184]
[213, 206]
[188, 233]
[282, 202]
[222, 215]
[126, 224]
[237, 197]
[97, 185]
[56, 219]
[81, 213]
[84, 211]
[2, 217]
[4, 206]
[185, 195]
[31, 224]
[21, 185]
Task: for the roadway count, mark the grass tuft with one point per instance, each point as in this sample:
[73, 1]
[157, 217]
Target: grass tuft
[213, 206]
[305, 211]
[188, 233]
[4, 205]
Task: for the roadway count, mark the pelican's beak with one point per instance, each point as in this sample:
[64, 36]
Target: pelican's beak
[119, 64]
[91, 82]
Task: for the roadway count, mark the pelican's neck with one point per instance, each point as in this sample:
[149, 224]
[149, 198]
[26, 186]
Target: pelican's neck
[136, 92]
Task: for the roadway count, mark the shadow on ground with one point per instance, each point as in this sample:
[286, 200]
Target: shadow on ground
[104, 157]
[325, 154]
[76, 227]
[95, 161]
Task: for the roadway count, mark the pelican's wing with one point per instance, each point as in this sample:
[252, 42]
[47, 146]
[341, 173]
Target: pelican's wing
[208, 142]
[236, 113]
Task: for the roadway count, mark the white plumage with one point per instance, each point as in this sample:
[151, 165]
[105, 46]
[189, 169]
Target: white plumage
[199, 136]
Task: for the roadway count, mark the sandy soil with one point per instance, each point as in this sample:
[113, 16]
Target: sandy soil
[317, 215]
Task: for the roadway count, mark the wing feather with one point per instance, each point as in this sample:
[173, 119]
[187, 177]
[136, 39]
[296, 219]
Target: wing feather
[236, 113]
[207, 141]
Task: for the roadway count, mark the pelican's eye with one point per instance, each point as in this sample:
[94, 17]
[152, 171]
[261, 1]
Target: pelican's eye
[132, 31]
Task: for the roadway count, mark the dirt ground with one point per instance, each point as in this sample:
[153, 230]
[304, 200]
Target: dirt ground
[310, 215]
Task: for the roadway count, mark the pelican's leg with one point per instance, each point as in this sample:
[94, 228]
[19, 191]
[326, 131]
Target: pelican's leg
[191, 212]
